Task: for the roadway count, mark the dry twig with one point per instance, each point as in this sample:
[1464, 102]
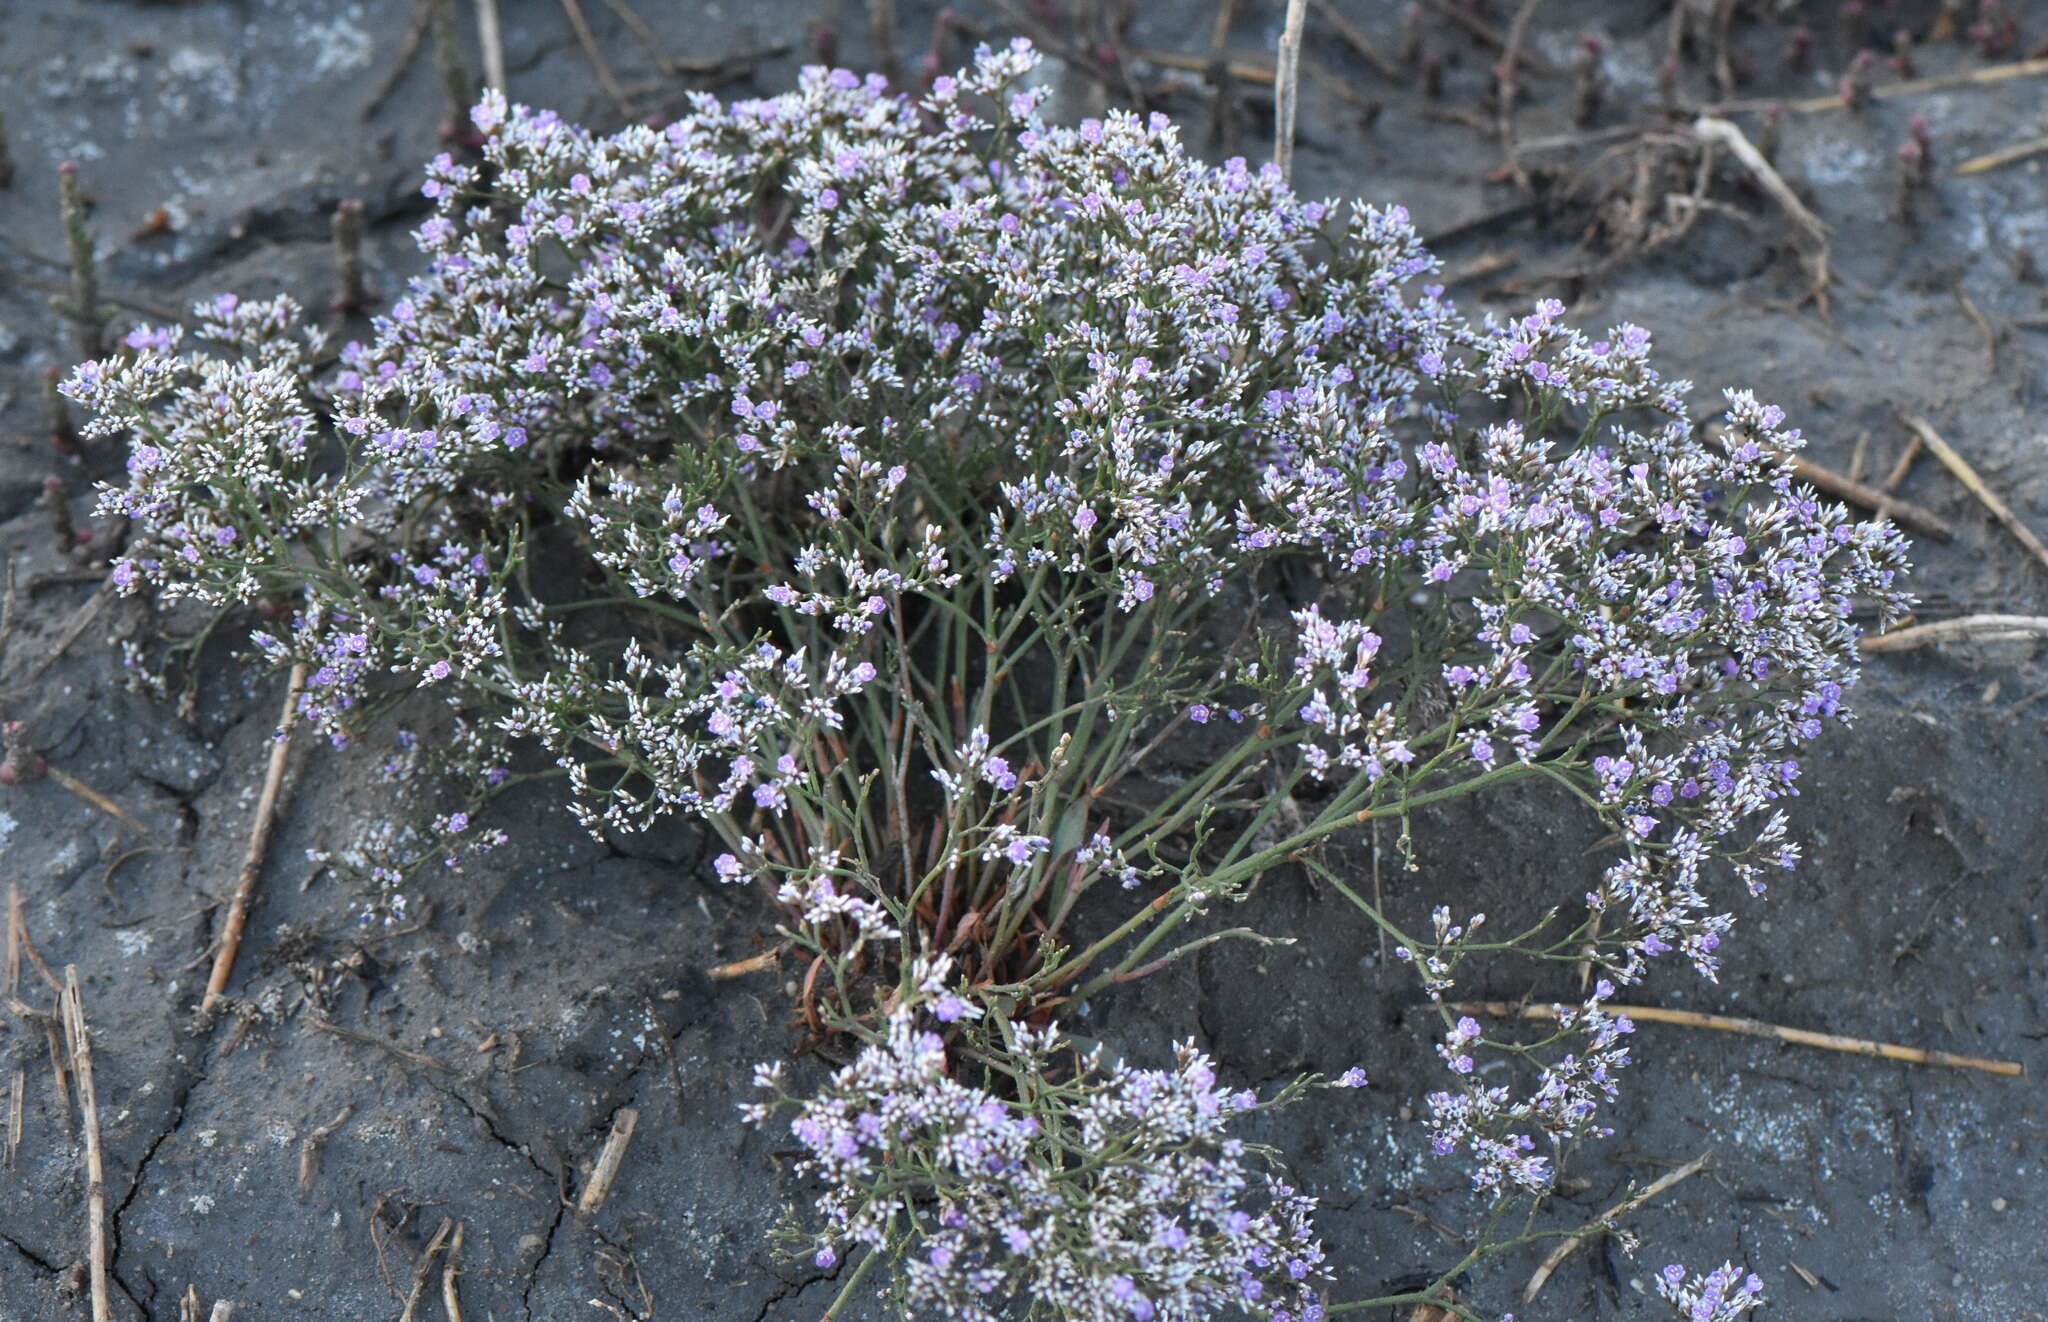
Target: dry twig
[259, 845]
[609, 1161]
[1244, 69]
[1556, 1256]
[1991, 160]
[1287, 88]
[740, 968]
[452, 1268]
[88, 794]
[360, 1038]
[1904, 512]
[18, 941]
[424, 1268]
[1897, 477]
[1948, 82]
[1714, 129]
[1992, 335]
[1967, 475]
[315, 1143]
[80, 1041]
[17, 1112]
[1756, 1028]
[408, 48]
[1965, 629]
[80, 622]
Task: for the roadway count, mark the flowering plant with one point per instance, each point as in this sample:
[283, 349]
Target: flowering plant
[861, 476]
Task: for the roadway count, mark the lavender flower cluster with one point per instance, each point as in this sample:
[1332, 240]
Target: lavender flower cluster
[859, 475]
[1101, 1192]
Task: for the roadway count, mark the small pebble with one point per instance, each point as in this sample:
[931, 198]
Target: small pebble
[1998, 1204]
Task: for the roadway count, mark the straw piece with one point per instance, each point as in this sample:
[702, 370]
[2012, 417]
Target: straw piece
[80, 1042]
[1756, 1028]
[1967, 475]
[1623, 1208]
[1991, 160]
[1947, 82]
[1966, 629]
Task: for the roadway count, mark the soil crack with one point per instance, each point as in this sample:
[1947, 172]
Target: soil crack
[35, 1260]
[188, 1077]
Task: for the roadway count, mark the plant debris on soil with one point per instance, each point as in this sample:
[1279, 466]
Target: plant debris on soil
[519, 1102]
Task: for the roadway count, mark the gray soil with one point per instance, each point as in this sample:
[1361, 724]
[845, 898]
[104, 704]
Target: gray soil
[550, 984]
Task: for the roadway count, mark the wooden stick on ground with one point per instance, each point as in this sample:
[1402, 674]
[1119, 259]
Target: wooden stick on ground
[451, 1269]
[314, 1144]
[327, 1025]
[424, 1268]
[1904, 512]
[1709, 128]
[1946, 82]
[18, 939]
[609, 1161]
[1992, 334]
[1991, 160]
[1287, 88]
[17, 1113]
[1859, 458]
[82, 791]
[14, 934]
[80, 1042]
[408, 48]
[259, 845]
[1629, 1204]
[1243, 69]
[223, 1310]
[1966, 629]
[1897, 477]
[1756, 1028]
[1967, 475]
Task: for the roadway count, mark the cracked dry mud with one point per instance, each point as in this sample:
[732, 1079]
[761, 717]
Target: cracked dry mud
[558, 980]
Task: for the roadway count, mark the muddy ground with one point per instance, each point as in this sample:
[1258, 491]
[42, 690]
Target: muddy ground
[558, 980]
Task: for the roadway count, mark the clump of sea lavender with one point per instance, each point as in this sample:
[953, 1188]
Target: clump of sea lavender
[862, 475]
